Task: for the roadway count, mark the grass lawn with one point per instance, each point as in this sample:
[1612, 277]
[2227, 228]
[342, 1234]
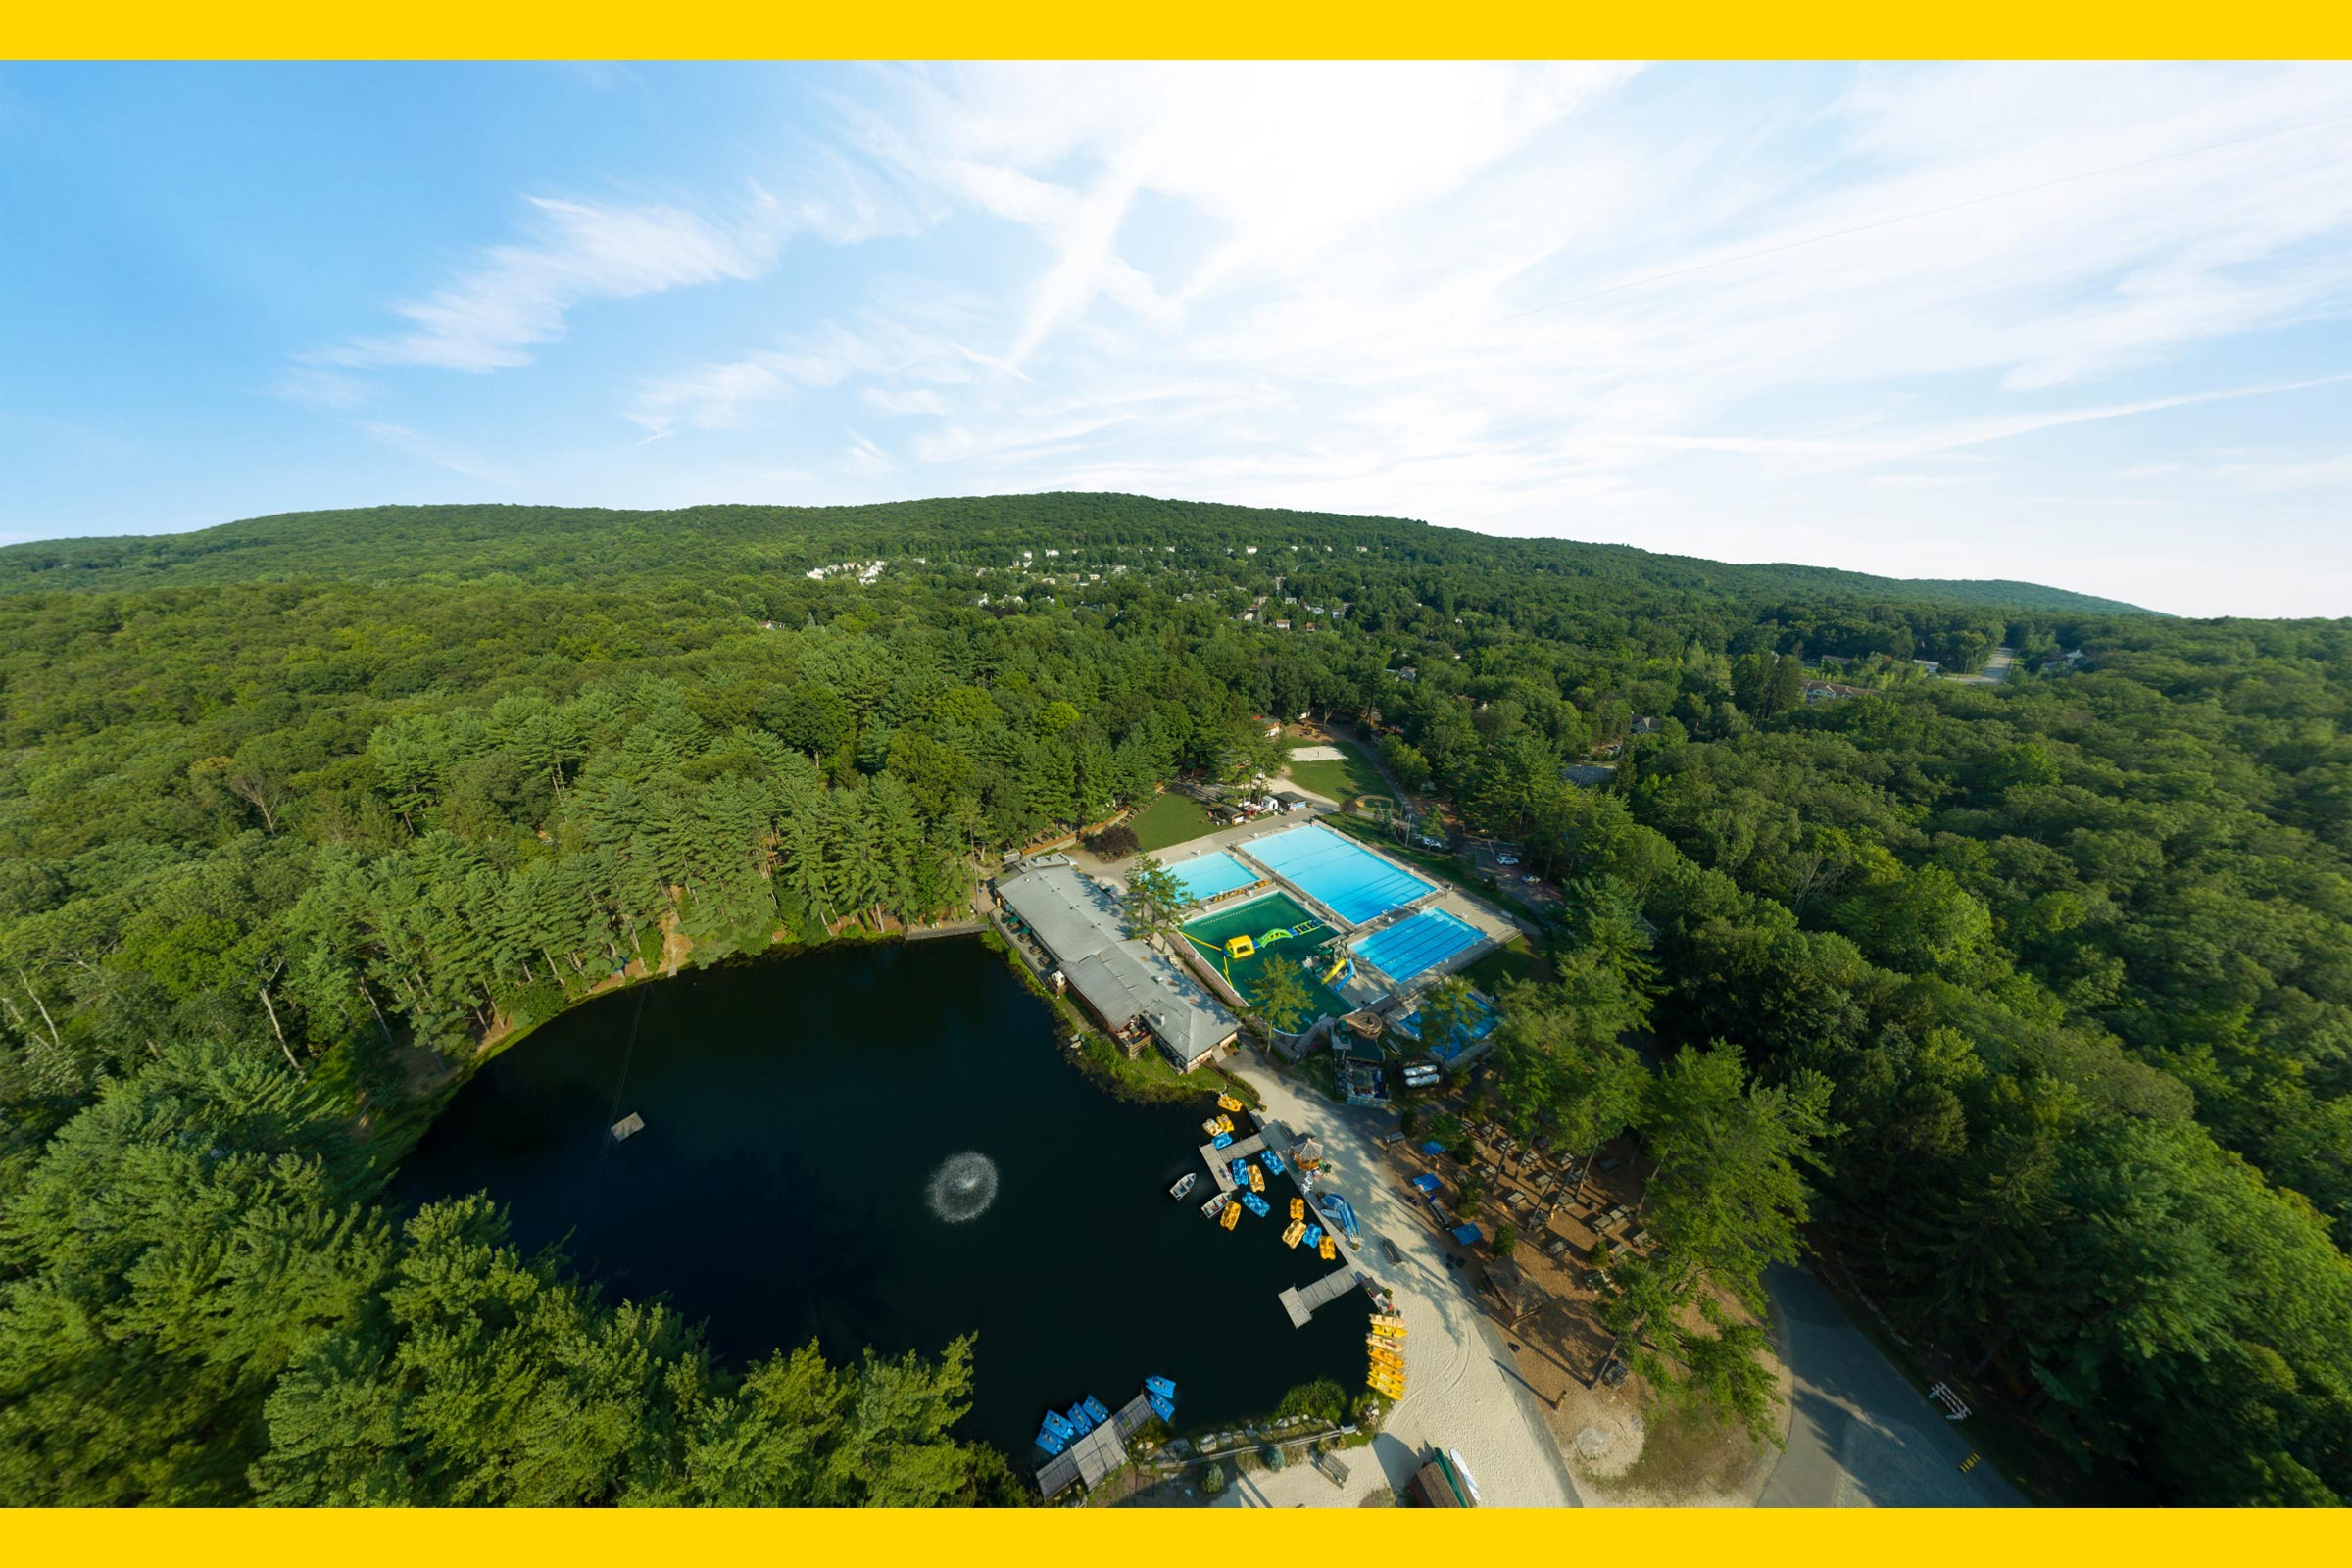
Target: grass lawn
[1170, 818]
[1514, 960]
[1343, 780]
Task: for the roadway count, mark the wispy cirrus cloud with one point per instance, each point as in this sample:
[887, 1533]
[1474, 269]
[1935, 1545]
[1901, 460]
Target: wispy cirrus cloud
[516, 297]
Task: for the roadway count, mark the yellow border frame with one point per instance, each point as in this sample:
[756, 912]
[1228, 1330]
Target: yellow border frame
[445, 29]
[533, 30]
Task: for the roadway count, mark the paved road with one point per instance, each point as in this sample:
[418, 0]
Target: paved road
[1860, 1436]
[1997, 670]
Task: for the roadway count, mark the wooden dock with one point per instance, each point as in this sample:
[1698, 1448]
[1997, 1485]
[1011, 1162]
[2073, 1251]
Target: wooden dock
[1269, 1134]
[1302, 1305]
[1097, 1453]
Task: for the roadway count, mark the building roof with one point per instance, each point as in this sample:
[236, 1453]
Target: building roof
[1077, 921]
[1128, 980]
[1071, 914]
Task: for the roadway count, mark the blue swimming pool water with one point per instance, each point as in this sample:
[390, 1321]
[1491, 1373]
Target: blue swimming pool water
[1419, 943]
[1348, 879]
[1206, 876]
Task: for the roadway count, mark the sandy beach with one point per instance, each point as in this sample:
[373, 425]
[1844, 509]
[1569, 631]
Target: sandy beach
[1461, 1391]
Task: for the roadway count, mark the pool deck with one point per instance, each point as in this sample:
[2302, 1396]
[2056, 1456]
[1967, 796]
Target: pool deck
[1363, 991]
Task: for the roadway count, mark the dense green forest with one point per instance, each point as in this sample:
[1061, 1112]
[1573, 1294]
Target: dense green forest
[2053, 977]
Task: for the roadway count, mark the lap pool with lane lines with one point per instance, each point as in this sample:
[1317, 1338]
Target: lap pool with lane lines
[1418, 944]
[1348, 879]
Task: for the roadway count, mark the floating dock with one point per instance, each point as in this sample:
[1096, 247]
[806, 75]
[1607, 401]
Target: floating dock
[1090, 1458]
[1303, 1305]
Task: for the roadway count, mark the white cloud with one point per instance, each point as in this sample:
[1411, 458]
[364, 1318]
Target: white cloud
[516, 297]
[432, 449]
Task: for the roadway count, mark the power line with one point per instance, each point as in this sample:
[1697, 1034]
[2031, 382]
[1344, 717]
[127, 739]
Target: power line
[1931, 211]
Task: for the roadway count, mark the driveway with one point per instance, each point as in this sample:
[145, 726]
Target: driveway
[1860, 1436]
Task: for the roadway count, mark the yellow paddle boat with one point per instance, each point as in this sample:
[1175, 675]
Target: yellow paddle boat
[1297, 1209]
[1290, 1238]
[1231, 1217]
[1228, 1102]
[1328, 1250]
[1257, 1179]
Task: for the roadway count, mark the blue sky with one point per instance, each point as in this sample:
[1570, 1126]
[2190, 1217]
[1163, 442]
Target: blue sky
[2081, 324]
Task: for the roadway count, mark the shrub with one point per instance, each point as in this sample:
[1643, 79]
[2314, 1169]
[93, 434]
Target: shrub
[1467, 1204]
[1321, 1399]
[1115, 843]
[1411, 1122]
[1212, 1480]
[1507, 1237]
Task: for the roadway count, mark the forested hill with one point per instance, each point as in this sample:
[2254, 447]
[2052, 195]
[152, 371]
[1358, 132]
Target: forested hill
[2029, 1002]
[580, 546]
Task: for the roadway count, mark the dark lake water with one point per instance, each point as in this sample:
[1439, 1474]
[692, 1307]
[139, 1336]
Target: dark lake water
[796, 1111]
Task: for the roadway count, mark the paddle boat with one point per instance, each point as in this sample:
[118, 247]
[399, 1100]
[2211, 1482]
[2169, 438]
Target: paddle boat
[1297, 1209]
[1314, 1237]
[1095, 1408]
[1185, 1184]
[1165, 1387]
[1080, 1420]
[1257, 1180]
[1240, 1172]
[1255, 1204]
[1224, 1124]
[1386, 1331]
[1273, 1162]
[1162, 1408]
[1392, 1386]
[1380, 1352]
[1388, 1320]
[1048, 1440]
[1233, 1213]
[1290, 1232]
[1221, 1141]
[1329, 1250]
[1210, 1127]
[1228, 1102]
[1059, 1425]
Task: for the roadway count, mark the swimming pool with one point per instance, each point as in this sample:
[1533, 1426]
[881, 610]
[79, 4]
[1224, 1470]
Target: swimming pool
[1309, 952]
[1352, 881]
[1413, 945]
[1207, 876]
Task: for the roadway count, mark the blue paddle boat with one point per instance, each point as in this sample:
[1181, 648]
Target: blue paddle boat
[1221, 1141]
[1161, 1408]
[1165, 1387]
[1312, 1239]
[1049, 1440]
[1273, 1162]
[1095, 1408]
[1079, 1418]
[1254, 1204]
[1059, 1425]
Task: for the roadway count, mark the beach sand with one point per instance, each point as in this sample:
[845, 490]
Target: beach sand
[1463, 1391]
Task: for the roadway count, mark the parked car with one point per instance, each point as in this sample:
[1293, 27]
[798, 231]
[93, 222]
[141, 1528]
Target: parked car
[1506, 859]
